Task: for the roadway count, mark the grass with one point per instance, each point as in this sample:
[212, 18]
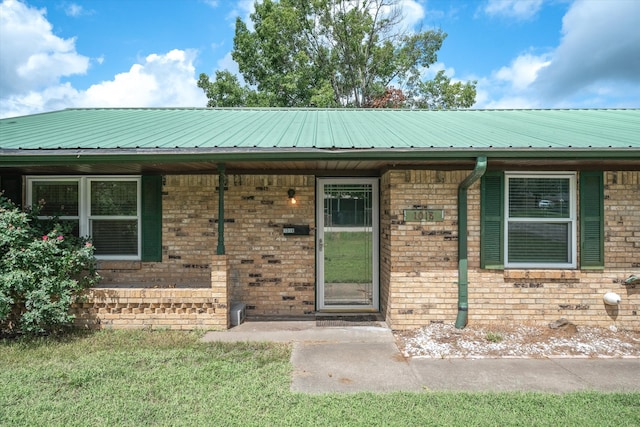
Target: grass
[493, 337]
[347, 257]
[164, 378]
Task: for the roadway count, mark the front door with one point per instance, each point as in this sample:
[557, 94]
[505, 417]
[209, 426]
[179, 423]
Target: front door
[347, 244]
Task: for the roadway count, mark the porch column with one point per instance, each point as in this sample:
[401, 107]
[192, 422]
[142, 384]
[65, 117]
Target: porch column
[221, 181]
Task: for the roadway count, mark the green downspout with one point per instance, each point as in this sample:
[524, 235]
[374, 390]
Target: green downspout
[463, 279]
[221, 181]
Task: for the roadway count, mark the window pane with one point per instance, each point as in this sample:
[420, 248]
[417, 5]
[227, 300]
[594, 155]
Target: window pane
[539, 198]
[60, 197]
[115, 237]
[535, 242]
[116, 198]
[347, 205]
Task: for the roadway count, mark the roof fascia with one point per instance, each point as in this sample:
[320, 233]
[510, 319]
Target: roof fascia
[82, 156]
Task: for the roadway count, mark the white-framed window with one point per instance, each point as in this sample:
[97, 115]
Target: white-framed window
[540, 220]
[107, 209]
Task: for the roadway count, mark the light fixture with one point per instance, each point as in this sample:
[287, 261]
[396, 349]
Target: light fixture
[292, 196]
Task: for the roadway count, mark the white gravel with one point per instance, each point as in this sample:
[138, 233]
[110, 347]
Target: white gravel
[445, 341]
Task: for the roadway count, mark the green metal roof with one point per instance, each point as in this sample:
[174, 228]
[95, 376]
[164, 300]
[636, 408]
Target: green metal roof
[274, 130]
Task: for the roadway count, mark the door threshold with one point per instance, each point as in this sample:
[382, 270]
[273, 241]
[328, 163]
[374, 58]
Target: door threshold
[349, 319]
[345, 311]
[350, 316]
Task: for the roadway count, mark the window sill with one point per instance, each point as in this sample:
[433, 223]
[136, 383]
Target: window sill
[119, 265]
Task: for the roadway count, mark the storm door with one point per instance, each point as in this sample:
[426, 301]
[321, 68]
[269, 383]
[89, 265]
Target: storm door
[347, 244]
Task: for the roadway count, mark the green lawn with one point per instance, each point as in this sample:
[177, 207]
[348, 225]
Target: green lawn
[162, 378]
[347, 257]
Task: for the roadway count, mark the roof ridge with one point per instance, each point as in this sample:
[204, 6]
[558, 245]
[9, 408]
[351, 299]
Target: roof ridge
[345, 109]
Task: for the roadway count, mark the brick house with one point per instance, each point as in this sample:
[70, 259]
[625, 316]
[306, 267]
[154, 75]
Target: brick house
[417, 216]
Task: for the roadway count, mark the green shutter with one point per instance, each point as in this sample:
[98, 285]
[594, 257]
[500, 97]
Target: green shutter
[492, 220]
[151, 218]
[591, 220]
[11, 186]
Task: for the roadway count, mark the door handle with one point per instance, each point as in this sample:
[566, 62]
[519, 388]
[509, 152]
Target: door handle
[320, 244]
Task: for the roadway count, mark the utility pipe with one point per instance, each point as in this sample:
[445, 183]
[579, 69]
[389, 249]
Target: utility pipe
[221, 179]
[463, 279]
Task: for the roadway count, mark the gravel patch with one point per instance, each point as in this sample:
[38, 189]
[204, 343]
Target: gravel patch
[445, 341]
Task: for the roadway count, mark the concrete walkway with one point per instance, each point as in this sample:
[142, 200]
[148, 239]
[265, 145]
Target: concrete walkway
[366, 358]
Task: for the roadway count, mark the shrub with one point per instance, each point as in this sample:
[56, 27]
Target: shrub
[43, 268]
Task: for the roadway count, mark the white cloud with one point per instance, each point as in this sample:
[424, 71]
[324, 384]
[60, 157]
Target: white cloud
[518, 9]
[412, 15]
[430, 73]
[510, 86]
[52, 98]
[511, 103]
[166, 80]
[600, 44]
[523, 71]
[75, 10]
[212, 3]
[227, 63]
[243, 9]
[595, 65]
[34, 60]
[32, 56]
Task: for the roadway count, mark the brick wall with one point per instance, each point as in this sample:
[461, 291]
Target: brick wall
[189, 215]
[420, 262]
[166, 308]
[275, 274]
[622, 224]
[272, 273]
[385, 244]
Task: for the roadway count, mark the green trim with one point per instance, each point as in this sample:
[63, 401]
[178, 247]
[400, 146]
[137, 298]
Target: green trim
[221, 182]
[151, 218]
[463, 267]
[55, 157]
[492, 221]
[591, 220]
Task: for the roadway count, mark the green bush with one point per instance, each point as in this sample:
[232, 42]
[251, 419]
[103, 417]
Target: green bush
[43, 268]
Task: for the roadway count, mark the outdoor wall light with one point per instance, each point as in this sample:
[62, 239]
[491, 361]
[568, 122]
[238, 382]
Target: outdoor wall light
[292, 196]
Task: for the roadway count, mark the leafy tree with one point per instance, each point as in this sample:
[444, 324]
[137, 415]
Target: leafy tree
[441, 94]
[225, 91]
[43, 267]
[333, 53]
[391, 98]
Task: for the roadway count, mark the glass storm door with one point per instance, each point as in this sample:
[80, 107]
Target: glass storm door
[347, 244]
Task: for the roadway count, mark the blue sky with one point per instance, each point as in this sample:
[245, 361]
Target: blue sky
[57, 54]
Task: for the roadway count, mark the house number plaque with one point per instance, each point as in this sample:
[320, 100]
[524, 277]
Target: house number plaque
[423, 215]
[295, 230]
